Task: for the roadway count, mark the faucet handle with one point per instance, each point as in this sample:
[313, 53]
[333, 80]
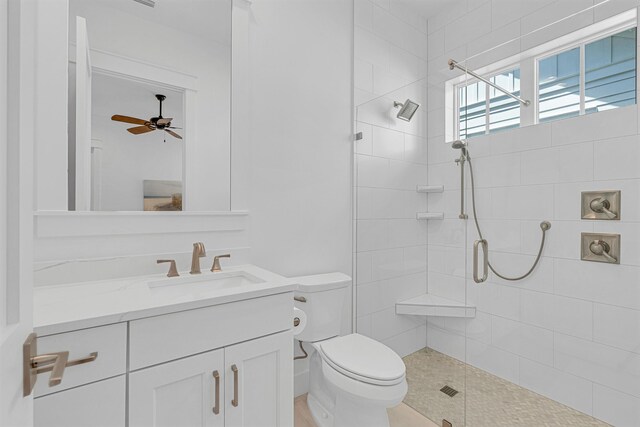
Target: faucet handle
[173, 271]
[216, 262]
[198, 248]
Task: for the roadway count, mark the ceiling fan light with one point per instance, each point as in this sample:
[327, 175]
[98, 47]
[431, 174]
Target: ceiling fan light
[150, 3]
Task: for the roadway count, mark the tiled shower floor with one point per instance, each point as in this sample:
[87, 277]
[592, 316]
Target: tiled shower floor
[490, 401]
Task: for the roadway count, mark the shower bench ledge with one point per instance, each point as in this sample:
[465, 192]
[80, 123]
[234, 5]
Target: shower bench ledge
[433, 305]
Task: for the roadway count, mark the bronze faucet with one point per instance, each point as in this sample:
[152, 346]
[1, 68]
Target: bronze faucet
[198, 252]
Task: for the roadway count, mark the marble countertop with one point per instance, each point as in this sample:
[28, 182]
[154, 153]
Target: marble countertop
[63, 308]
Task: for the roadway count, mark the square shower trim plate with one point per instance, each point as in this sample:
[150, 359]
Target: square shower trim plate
[613, 240]
[613, 198]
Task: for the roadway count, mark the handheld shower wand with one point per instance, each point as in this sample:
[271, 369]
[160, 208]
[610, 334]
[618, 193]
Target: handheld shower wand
[482, 242]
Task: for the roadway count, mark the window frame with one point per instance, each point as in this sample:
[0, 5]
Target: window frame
[528, 64]
[468, 82]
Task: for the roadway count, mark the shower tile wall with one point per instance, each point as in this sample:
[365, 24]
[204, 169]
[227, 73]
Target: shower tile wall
[571, 331]
[391, 245]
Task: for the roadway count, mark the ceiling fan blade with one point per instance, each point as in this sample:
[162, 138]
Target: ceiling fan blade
[164, 121]
[172, 127]
[127, 119]
[140, 129]
[172, 133]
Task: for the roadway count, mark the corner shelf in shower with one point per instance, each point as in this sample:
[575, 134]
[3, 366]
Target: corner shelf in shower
[429, 188]
[433, 305]
[429, 215]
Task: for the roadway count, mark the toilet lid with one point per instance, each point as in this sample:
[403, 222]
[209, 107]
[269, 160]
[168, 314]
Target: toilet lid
[363, 357]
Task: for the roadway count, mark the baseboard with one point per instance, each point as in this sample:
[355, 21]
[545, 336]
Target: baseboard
[301, 383]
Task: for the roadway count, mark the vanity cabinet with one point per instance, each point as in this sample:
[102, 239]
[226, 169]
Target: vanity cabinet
[264, 382]
[243, 385]
[100, 404]
[180, 393]
[225, 365]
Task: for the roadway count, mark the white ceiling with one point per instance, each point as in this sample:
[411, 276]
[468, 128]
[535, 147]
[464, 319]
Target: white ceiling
[210, 19]
[428, 8]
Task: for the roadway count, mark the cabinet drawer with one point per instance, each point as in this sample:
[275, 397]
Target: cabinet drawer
[110, 342]
[100, 404]
[162, 338]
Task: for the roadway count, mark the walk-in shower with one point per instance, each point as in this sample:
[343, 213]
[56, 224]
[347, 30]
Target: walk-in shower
[505, 277]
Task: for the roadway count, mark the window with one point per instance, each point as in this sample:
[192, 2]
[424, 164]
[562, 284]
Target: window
[587, 71]
[610, 72]
[483, 109]
[592, 77]
[559, 86]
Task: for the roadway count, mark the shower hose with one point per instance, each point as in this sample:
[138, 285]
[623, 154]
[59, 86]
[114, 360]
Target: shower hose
[544, 226]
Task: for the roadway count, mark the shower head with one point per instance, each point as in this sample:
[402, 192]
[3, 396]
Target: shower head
[457, 145]
[407, 110]
[461, 145]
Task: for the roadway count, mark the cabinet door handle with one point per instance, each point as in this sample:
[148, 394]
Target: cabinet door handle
[235, 402]
[216, 406]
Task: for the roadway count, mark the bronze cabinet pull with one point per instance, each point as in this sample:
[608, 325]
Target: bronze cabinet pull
[216, 406]
[235, 402]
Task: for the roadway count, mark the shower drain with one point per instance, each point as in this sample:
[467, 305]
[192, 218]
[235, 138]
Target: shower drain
[449, 391]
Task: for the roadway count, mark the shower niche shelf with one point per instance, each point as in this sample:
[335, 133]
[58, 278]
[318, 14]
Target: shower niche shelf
[429, 215]
[429, 188]
[433, 305]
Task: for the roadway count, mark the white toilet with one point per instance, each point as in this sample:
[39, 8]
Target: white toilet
[353, 378]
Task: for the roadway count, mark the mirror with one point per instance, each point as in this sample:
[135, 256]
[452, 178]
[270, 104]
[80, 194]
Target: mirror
[149, 105]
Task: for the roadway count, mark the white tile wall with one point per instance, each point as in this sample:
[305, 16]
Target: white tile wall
[391, 245]
[572, 330]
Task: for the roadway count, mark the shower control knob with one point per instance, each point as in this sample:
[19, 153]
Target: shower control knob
[602, 248]
[602, 205]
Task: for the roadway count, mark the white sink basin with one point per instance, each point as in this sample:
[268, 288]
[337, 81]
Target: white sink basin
[207, 281]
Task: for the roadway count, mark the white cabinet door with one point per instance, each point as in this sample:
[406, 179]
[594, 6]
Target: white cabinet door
[180, 393]
[262, 395]
[100, 404]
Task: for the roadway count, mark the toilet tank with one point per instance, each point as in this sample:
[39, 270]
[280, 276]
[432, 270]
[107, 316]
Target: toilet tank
[325, 296]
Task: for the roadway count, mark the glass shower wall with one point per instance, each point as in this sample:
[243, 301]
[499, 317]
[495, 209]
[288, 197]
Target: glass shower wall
[393, 217]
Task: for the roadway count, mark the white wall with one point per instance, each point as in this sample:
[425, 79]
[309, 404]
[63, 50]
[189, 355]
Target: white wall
[391, 245]
[301, 135]
[571, 330]
[299, 145]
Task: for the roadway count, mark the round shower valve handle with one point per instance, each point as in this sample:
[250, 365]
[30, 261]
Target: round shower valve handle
[602, 205]
[601, 248]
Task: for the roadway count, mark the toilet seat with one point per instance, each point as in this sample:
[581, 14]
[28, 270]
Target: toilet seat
[363, 359]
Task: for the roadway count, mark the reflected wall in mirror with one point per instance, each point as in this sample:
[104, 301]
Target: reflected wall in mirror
[149, 105]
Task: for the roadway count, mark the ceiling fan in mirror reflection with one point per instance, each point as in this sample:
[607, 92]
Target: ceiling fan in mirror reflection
[154, 123]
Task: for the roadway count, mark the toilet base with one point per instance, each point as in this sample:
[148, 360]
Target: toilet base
[347, 413]
[331, 407]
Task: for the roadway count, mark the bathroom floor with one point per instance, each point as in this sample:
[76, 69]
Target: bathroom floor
[490, 401]
[400, 416]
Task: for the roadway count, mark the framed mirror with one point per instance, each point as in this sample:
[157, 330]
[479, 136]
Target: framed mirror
[149, 86]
